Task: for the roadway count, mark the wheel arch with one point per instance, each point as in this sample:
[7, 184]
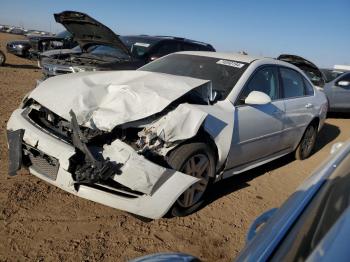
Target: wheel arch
[315, 122]
[203, 137]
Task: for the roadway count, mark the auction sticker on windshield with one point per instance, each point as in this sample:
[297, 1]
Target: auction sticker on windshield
[230, 63]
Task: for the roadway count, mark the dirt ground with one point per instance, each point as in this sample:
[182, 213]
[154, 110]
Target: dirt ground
[39, 222]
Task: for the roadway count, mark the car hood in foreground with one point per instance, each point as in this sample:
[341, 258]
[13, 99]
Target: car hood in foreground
[104, 100]
[87, 31]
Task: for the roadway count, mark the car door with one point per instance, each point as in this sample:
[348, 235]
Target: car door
[339, 92]
[257, 128]
[298, 95]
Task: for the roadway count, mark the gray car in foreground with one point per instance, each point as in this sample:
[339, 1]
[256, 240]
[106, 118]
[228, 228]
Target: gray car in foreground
[337, 90]
[313, 224]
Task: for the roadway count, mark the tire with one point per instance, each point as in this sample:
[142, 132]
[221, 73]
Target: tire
[307, 143]
[2, 58]
[195, 159]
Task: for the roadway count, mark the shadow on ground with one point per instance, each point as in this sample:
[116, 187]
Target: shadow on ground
[327, 134]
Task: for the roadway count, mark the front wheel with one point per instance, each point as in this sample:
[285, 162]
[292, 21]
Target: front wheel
[307, 143]
[194, 159]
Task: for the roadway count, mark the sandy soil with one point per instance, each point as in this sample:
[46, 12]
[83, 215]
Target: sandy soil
[39, 222]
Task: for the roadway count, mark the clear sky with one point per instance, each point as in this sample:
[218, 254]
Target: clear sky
[317, 30]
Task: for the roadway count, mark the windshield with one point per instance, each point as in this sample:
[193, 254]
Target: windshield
[63, 34]
[138, 45]
[103, 50]
[330, 75]
[223, 73]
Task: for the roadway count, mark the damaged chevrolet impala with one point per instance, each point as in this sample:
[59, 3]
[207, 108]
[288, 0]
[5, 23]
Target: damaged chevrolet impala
[152, 141]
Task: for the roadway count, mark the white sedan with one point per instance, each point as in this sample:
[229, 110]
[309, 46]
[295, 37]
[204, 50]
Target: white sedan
[152, 141]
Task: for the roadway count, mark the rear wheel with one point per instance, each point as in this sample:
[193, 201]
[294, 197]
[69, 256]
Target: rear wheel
[194, 159]
[307, 143]
[2, 58]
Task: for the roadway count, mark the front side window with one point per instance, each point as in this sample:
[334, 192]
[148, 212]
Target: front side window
[309, 89]
[293, 84]
[264, 80]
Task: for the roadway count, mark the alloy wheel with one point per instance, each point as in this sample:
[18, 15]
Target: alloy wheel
[197, 166]
[308, 141]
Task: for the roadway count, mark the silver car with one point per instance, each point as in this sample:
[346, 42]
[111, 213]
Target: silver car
[313, 224]
[337, 90]
[153, 140]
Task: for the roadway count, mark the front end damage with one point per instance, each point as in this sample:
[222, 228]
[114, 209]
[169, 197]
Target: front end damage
[108, 144]
[125, 168]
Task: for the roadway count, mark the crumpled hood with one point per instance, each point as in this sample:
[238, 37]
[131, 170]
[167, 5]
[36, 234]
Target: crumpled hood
[104, 100]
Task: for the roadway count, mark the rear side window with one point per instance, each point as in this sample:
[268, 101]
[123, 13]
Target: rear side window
[309, 89]
[293, 84]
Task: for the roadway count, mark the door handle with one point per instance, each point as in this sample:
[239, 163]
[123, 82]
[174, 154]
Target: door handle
[309, 105]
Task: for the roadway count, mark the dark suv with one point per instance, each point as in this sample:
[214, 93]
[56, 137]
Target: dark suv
[149, 48]
[101, 49]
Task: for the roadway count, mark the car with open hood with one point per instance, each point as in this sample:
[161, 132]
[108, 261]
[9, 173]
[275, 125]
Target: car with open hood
[310, 69]
[153, 140]
[42, 43]
[102, 49]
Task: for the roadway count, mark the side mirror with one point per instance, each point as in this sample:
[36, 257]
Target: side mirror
[257, 98]
[344, 83]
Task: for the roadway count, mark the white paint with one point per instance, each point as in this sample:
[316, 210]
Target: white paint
[104, 100]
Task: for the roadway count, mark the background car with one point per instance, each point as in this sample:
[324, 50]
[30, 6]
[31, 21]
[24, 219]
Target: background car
[16, 31]
[42, 43]
[2, 58]
[19, 48]
[313, 224]
[107, 50]
[120, 132]
[310, 69]
[337, 90]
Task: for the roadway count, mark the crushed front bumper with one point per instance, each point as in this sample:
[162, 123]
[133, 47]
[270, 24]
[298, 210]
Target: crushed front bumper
[23, 133]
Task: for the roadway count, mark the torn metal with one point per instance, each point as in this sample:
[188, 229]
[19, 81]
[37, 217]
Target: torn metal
[93, 170]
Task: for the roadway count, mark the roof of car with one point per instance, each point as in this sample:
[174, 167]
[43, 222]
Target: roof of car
[157, 38]
[230, 56]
